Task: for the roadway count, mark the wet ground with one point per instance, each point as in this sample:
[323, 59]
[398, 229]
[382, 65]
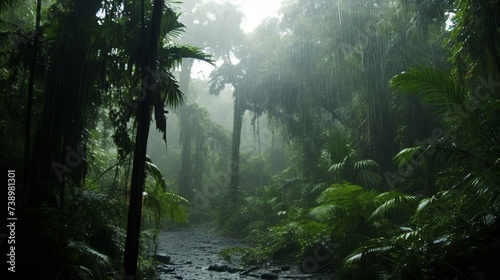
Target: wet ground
[193, 253]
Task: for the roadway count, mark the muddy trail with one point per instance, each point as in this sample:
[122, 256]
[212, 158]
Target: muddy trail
[192, 253]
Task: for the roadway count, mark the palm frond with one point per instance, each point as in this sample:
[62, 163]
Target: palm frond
[96, 263]
[409, 234]
[176, 207]
[155, 172]
[319, 187]
[437, 89]
[178, 52]
[424, 204]
[337, 168]
[371, 248]
[397, 201]
[169, 94]
[365, 164]
[171, 25]
[339, 192]
[405, 155]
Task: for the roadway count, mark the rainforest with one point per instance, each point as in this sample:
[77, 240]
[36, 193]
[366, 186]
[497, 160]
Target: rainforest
[228, 139]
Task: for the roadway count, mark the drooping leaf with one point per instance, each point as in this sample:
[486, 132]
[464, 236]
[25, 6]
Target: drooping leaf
[371, 248]
[405, 155]
[436, 88]
[155, 172]
[398, 201]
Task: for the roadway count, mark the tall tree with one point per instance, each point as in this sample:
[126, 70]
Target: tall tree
[61, 126]
[215, 27]
[154, 95]
[143, 121]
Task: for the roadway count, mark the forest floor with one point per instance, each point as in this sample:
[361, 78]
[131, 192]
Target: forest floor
[193, 253]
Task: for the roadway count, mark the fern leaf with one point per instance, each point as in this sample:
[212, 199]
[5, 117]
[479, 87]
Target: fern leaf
[323, 212]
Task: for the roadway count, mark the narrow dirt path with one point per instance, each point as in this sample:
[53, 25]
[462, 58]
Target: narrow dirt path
[193, 253]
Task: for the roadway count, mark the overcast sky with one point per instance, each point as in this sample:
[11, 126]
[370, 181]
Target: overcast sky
[256, 10]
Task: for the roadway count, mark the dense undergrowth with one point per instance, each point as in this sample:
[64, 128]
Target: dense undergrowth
[359, 232]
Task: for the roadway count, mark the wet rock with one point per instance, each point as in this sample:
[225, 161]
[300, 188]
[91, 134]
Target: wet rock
[218, 267]
[285, 268]
[268, 275]
[232, 269]
[166, 269]
[163, 258]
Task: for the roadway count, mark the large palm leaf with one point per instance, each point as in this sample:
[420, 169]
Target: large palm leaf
[437, 89]
[170, 55]
[162, 203]
[460, 111]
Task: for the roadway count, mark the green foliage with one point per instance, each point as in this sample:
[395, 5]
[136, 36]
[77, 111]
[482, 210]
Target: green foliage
[342, 161]
[437, 241]
[474, 41]
[160, 205]
[446, 233]
[85, 237]
[337, 225]
[437, 89]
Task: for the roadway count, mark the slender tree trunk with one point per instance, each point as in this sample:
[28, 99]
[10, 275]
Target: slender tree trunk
[185, 178]
[185, 76]
[185, 138]
[198, 159]
[136, 190]
[131, 253]
[235, 147]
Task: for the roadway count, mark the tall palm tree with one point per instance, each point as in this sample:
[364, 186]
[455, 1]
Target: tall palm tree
[163, 26]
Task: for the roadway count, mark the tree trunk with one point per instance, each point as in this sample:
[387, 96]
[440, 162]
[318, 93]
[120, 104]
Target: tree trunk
[198, 159]
[235, 147]
[185, 139]
[185, 188]
[185, 76]
[56, 152]
[131, 253]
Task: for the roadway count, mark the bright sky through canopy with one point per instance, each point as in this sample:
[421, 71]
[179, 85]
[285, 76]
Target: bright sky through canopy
[257, 10]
